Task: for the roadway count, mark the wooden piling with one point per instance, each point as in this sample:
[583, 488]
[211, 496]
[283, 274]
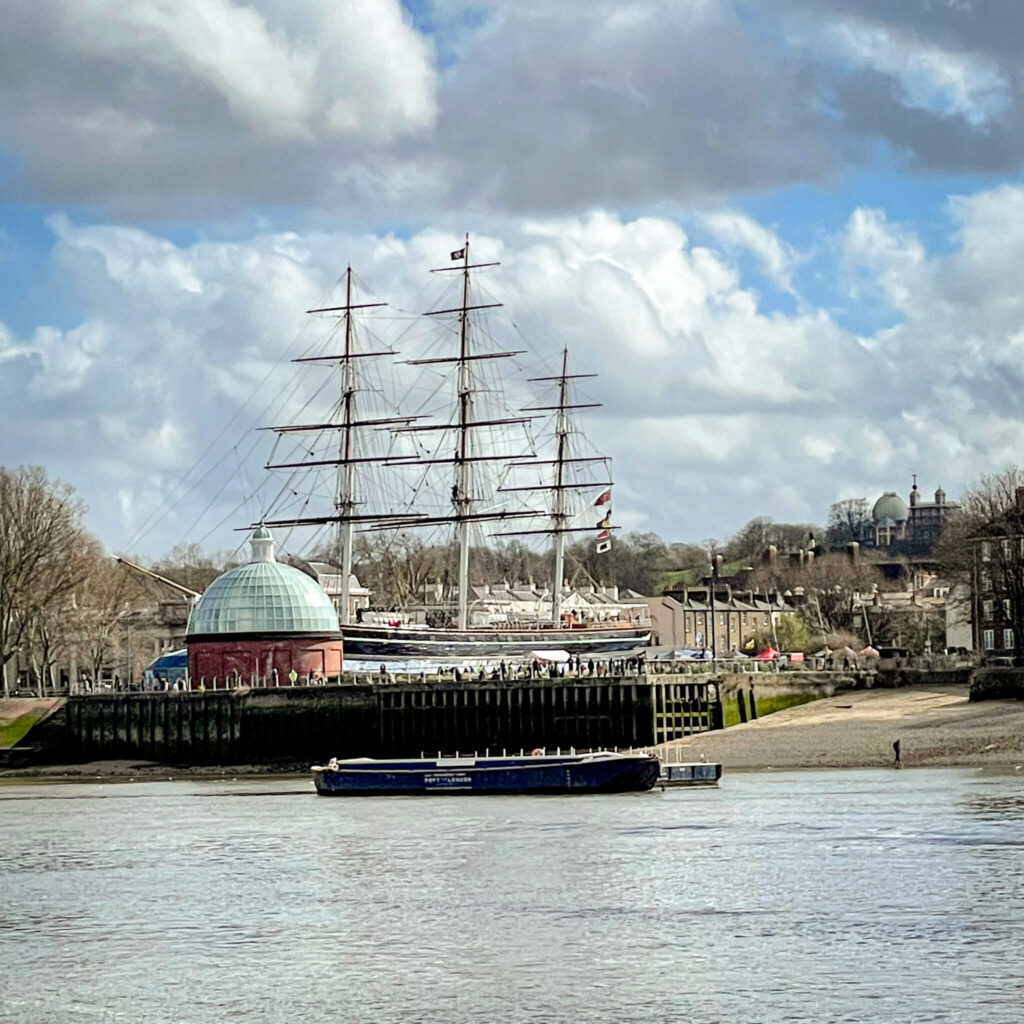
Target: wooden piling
[390, 719]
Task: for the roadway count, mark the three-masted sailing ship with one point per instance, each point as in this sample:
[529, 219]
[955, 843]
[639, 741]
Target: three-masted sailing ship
[469, 447]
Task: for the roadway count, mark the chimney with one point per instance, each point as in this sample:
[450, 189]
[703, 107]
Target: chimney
[809, 558]
[770, 556]
[853, 552]
[1020, 497]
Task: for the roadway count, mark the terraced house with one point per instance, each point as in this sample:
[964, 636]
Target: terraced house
[999, 584]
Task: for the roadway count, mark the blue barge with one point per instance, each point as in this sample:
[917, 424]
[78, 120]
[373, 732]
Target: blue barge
[599, 772]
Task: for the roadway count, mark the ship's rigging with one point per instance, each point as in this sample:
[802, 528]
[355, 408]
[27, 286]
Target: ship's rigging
[495, 456]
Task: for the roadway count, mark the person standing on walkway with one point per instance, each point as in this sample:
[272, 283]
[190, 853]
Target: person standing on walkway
[896, 751]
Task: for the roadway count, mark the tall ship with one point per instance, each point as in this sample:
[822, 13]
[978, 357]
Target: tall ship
[453, 455]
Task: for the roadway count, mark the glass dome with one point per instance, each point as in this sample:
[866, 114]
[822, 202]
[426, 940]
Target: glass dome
[263, 596]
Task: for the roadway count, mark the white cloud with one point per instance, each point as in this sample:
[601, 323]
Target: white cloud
[160, 105]
[351, 112]
[891, 257]
[776, 258]
[714, 410]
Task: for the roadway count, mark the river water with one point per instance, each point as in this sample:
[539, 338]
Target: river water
[874, 896]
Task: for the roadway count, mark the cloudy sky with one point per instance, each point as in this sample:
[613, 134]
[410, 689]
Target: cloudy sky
[787, 233]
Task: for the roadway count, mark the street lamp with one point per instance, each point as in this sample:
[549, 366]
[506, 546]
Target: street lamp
[716, 569]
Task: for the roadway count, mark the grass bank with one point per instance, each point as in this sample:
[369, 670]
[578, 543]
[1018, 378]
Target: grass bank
[765, 706]
[13, 731]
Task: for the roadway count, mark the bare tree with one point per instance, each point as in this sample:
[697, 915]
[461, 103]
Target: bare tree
[750, 543]
[44, 553]
[397, 566]
[637, 560]
[828, 585]
[847, 521]
[191, 566]
[55, 627]
[103, 603]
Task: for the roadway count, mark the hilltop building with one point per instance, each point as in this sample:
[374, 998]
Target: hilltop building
[907, 529]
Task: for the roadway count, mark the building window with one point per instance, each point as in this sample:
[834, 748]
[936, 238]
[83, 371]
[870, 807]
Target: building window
[1008, 639]
[990, 639]
[986, 610]
[986, 551]
[1006, 549]
[1006, 608]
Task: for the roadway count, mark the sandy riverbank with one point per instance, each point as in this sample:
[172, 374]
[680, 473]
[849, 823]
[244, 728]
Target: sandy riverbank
[936, 726]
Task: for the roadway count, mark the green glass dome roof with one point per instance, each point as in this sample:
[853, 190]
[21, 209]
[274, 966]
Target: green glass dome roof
[889, 506]
[263, 596]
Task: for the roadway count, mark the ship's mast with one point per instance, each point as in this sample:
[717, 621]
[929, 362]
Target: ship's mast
[465, 455]
[558, 513]
[462, 496]
[464, 452]
[560, 485]
[346, 498]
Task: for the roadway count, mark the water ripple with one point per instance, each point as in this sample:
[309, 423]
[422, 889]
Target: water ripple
[809, 896]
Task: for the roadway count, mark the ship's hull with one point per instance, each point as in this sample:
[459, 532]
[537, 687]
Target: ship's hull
[381, 643]
[603, 772]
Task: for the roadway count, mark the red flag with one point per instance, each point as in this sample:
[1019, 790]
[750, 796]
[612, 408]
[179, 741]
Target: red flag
[604, 535]
[604, 497]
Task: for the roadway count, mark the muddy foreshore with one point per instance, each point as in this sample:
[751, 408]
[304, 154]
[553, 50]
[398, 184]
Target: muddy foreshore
[936, 726]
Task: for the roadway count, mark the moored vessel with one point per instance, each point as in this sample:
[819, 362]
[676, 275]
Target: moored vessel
[602, 771]
[494, 459]
[696, 773]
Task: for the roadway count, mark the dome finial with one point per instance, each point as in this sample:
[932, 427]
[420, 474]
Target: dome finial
[262, 544]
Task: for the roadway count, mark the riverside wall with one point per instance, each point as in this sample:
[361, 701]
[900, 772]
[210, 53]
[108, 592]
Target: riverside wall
[303, 725]
[828, 683]
[997, 683]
